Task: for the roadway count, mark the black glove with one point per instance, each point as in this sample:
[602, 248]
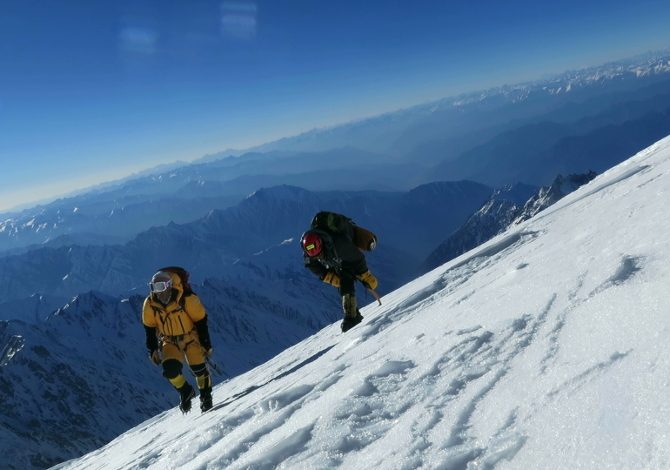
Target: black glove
[152, 340]
[203, 334]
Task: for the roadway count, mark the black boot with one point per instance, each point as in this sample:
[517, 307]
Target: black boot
[349, 322]
[186, 393]
[205, 399]
[352, 316]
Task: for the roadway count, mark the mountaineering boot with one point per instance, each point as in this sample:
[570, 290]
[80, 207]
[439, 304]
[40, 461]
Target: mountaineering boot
[349, 306]
[205, 399]
[352, 316]
[186, 393]
[349, 322]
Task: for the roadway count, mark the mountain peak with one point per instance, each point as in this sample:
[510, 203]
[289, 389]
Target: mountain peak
[548, 195]
[284, 191]
[444, 187]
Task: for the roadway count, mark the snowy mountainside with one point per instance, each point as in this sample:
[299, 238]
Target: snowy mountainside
[507, 206]
[79, 378]
[53, 386]
[34, 308]
[546, 347]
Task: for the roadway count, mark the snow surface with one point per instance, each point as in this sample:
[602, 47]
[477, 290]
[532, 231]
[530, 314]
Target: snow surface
[546, 347]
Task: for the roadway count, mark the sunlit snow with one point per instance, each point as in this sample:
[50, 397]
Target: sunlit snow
[547, 347]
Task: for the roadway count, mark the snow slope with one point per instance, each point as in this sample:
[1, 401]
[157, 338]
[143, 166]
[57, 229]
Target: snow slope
[544, 348]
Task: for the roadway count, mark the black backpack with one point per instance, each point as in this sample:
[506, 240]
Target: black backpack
[332, 222]
[336, 223]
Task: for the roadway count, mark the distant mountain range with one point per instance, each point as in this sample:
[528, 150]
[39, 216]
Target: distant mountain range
[442, 130]
[582, 120]
[409, 225]
[115, 213]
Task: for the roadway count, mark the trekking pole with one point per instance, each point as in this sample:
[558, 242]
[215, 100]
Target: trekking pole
[372, 291]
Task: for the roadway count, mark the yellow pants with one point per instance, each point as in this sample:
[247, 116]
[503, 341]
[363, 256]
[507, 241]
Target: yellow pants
[175, 350]
[188, 346]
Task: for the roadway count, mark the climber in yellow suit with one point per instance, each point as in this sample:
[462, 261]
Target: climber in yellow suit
[175, 322]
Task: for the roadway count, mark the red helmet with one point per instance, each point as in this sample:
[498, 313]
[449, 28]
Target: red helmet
[311, 244]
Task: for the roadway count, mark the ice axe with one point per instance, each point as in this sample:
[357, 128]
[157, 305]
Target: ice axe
[375, 295]
[371, 291]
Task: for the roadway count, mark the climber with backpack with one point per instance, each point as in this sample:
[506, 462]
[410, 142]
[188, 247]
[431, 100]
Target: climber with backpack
[175, 322]
[333, 250]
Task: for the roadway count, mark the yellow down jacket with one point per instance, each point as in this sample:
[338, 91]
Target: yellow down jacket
[173, 319]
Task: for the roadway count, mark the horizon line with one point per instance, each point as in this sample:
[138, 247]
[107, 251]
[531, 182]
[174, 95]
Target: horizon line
[179, 163]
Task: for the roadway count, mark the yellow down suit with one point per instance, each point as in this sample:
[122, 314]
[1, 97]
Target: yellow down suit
[181, 332]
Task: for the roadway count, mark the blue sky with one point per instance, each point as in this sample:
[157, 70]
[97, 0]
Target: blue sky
[91, 91]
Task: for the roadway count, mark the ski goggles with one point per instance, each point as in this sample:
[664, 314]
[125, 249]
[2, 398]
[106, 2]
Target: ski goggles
[160, 286]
